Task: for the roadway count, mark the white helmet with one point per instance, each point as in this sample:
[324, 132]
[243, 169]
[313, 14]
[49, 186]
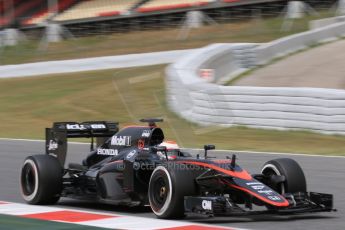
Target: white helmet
[172, 149]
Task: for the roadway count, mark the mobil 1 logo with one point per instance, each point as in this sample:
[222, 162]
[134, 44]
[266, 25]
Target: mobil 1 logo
[121, 140]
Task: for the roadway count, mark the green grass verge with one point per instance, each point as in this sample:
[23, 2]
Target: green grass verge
[28, 105]
[257, 30]
[8, 222]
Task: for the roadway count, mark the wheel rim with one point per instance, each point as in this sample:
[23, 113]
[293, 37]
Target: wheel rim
[270, 170]
[29, 180]
[160, 191]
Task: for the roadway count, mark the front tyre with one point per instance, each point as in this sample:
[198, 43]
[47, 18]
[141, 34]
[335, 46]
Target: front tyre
[294, 177]
[167, 188]
[41, 179]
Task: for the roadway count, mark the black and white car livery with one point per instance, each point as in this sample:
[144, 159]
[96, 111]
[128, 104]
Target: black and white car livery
[125, 168]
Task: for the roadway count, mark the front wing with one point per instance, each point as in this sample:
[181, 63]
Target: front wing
[223, 206]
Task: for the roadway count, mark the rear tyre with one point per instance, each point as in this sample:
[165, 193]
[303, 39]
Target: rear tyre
[41, 179]
[167, 187]
[294, 177]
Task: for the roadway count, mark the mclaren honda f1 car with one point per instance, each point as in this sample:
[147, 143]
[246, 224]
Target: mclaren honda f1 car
[135, 167]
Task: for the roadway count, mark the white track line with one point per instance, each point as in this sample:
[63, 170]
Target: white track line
[227, 150]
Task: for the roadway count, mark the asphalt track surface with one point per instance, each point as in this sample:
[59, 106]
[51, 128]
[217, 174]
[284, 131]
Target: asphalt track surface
[324, 174]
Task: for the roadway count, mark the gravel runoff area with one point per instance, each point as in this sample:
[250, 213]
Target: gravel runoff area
[320, 67]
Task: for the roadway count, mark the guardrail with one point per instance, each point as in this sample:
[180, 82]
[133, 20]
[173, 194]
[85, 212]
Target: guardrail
[90, 64]
[206, 103]
[315, 24]
[281, 47]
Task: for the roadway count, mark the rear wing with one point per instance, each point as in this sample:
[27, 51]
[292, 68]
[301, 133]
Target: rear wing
[57, 135]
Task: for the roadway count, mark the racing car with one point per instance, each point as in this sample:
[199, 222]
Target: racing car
[135, 166]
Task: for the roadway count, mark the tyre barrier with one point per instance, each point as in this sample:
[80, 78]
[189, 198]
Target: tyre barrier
[201, 101]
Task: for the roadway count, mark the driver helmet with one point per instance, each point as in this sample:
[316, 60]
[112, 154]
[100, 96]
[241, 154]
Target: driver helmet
[172, 150]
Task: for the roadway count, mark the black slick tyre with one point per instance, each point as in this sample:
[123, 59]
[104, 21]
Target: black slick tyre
[294, 177]
[41, 179]
[167, 187]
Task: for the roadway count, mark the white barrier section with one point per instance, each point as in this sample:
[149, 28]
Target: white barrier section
[90, 64]
[200, 101]
[281, 47]
[315, 24]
